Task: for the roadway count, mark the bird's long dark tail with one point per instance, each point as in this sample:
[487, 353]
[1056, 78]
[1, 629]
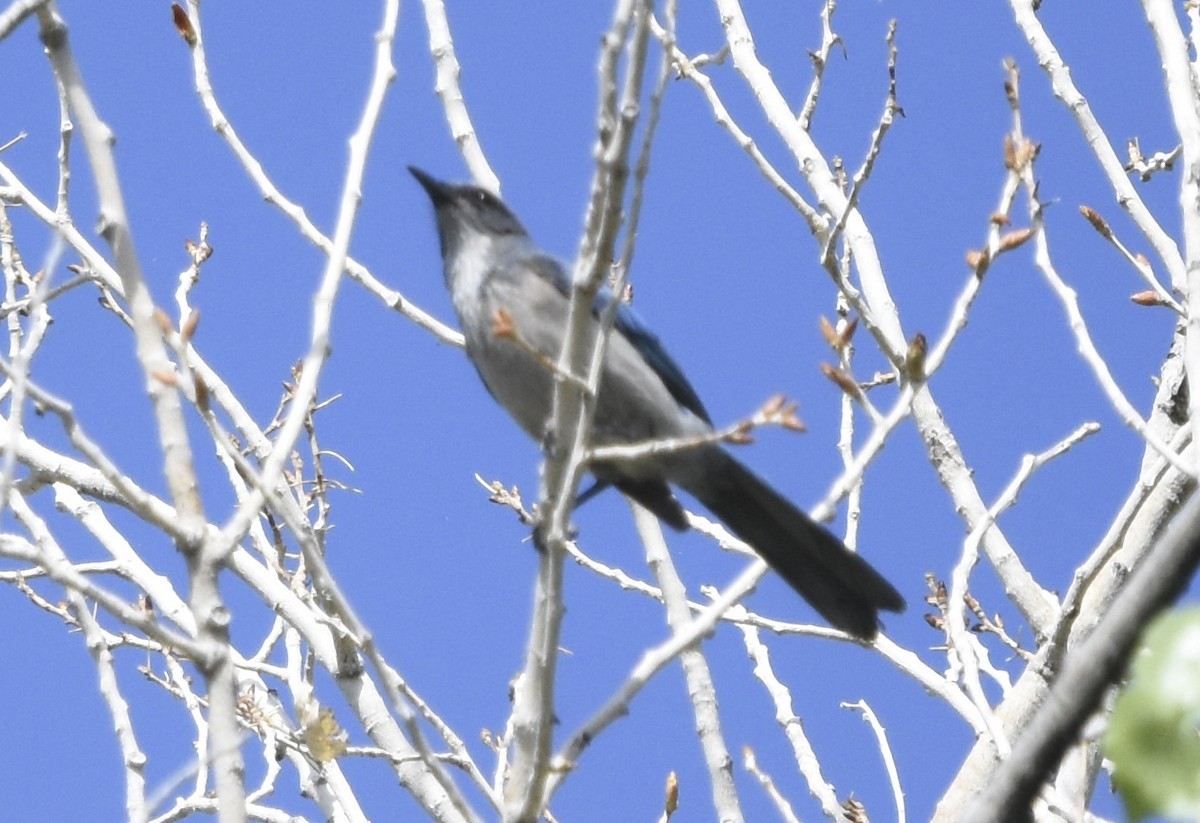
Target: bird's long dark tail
[839, 584]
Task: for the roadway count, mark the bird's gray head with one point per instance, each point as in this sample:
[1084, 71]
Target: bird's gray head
[466, 210]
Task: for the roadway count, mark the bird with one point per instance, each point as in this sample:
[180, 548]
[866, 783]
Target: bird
[497, 275]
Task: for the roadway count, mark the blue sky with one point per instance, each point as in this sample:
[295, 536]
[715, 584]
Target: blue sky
[725, 271]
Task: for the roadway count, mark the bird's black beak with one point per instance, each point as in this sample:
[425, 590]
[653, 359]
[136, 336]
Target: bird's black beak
[438, 191]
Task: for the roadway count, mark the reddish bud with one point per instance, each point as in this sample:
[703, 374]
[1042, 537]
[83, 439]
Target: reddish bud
[1147, 298]
[1098, 222]
[1026, 152]
[773, 405]
[789, 420]
[828, 332]
[847, 332]
[163, 321]
[671, 803]
[914, 360]
[189, 325]
[183, 24]
[740, 436]
[502, 325]
[201, 394]
[1015, 238]
[841, 379]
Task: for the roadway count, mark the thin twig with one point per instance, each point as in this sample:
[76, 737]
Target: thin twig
[885, 749]
[701, 689]
[820, 60]
[802, 749]
[570, 419]
[294, 212]
[449, 89]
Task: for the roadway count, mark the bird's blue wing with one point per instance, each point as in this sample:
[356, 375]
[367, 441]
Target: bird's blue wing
[652, 351]
[646, 342]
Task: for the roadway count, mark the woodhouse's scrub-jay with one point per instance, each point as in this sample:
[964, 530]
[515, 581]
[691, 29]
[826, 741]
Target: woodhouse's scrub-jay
[493, 270]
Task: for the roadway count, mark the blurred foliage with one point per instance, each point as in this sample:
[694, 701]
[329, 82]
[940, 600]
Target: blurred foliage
[1152, 738]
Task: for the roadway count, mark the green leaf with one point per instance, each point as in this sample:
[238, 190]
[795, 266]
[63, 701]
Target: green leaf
[1152, 738]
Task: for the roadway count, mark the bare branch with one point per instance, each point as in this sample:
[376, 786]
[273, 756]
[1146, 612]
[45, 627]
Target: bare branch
[271, 193]
[702, 690]
[448, 88]
[885, 750]
[1051, 61]
[793, 729]
[1089, 669]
